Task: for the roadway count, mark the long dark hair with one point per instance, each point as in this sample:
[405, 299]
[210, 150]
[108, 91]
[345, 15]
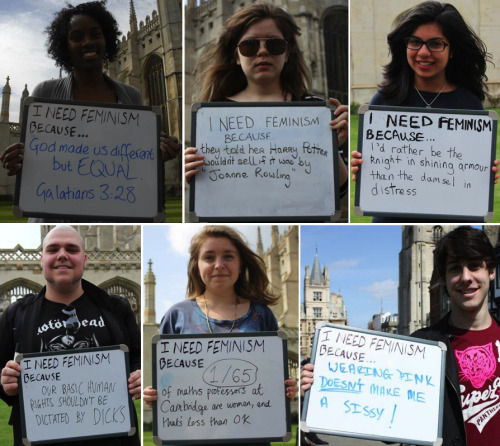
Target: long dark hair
[220, 75]
[466, 68]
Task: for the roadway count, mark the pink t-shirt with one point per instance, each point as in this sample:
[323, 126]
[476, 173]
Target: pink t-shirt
[477, 354]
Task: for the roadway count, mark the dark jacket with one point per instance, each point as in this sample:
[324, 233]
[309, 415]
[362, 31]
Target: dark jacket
[453, 421]
[18, 335]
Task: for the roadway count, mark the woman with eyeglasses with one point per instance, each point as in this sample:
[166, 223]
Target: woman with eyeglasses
[257, 59]
[228, 291]
[437, 61]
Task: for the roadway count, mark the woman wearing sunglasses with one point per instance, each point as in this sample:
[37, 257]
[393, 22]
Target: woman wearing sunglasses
[438, 61]
[257, 59]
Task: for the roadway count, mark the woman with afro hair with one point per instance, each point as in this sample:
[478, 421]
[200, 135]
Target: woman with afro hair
[81, 39]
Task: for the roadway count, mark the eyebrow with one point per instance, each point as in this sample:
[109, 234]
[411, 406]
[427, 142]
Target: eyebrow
[66, 245]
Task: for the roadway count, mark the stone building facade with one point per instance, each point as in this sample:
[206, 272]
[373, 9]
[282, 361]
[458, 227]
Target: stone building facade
[10, 133]
[113, 264]
[372, 20]
[150, 59]
[324, 26]
[319, 305]
[416, 267]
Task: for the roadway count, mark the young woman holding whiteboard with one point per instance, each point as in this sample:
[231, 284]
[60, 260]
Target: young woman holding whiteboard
[437, 61]
[257, 59]
[81, 40]
[227, 292]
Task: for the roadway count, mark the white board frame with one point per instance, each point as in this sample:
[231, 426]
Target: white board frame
[112, 200]
[340, 429]
[159, 435]
[328, 188]
[118, 371]
[362, 205]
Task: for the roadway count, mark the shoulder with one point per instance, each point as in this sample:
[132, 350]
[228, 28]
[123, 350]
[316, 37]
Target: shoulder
[185, 306]
[467, 99]
[378, 99]
[266, 314]
[436, 332]
[47, 89]
[128, 95]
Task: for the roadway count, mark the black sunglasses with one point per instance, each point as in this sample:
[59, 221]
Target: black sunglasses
[274, 46]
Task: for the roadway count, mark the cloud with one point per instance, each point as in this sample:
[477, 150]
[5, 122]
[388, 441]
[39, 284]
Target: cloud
[386, 289]
[179, 238]
[345, 263]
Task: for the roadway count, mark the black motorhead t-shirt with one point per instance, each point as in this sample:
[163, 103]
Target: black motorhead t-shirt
[75, 326]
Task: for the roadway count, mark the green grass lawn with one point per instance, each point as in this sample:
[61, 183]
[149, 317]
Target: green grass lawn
[148, 438]
[354, 121]
[173, 210]
[6, 437]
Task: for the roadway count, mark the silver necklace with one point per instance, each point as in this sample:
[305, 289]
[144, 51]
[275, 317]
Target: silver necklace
[428, 104]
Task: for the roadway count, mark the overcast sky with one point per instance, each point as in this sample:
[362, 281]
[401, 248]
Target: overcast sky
[23, 55]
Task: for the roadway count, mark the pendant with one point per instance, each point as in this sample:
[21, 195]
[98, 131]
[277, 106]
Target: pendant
[428, 106]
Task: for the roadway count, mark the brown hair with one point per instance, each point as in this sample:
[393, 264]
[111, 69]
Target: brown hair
[220, 75]
[252, 283]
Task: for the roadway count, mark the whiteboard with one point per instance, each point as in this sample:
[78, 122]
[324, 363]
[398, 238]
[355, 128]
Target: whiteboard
[220, 388]
[274, 161]
[376, 386]
[89, 161]
[79, 394]
[426, 163]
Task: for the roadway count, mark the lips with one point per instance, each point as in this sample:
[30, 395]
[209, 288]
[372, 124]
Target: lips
[90, 53]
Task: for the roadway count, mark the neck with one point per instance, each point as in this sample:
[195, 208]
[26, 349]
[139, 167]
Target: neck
[261, 93]
[228, 298]
[88, 79]
[65, 296]
[432, 85]
[475, 320]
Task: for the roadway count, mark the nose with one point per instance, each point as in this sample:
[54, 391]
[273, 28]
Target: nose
[62, 254]
[219, 262]
[424, 51]
[262, 47]
[466, 274]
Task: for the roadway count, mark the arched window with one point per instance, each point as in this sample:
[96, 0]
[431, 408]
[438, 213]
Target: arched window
[125, 288]
[336, 32]
[16, 289]
[155, 88]
[437, 233]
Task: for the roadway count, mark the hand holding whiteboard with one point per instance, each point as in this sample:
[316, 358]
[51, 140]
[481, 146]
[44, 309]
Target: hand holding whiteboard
[91, 161]
[220, 388]
[376, 386]
[265, 162]
[426, 163]
[75, 394]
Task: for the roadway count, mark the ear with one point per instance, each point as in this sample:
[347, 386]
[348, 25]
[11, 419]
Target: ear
[492, 274]
[84, 260]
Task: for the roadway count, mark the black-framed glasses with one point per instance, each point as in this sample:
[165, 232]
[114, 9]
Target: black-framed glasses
[274, 45]
[435, 45]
